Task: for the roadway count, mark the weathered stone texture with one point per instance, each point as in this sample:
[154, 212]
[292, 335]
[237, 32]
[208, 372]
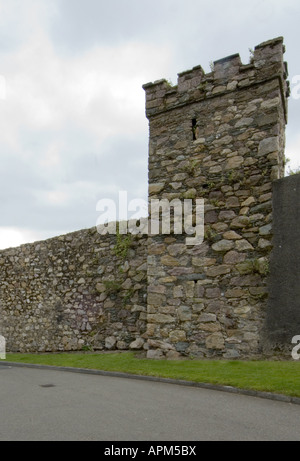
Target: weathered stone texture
[73, 292]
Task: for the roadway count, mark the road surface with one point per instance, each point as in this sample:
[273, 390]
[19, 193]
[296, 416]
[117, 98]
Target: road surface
[52, 405]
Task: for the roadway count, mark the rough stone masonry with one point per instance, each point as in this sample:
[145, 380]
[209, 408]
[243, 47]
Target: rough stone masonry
[218, 136]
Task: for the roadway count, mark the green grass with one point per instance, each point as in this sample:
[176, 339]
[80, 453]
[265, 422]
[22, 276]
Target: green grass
[281, 377]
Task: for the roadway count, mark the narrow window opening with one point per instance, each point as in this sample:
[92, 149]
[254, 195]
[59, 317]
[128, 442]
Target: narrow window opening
[194, 126]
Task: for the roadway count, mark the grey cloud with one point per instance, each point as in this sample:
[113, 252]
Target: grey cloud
[88, 172]
[18, 181]
[81, 25]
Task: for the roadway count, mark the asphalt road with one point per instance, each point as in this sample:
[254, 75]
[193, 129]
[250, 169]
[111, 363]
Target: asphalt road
[51, 405]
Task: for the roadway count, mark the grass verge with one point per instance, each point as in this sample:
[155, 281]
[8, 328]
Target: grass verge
[279, 377]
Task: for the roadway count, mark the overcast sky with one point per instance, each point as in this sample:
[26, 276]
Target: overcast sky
[72, 107]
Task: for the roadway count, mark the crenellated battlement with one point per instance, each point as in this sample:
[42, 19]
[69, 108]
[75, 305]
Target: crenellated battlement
[229, 74]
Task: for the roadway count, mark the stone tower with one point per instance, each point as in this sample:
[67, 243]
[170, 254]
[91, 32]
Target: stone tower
[220, 137]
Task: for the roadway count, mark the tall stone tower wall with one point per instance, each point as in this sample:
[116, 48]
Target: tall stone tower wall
[217, 136]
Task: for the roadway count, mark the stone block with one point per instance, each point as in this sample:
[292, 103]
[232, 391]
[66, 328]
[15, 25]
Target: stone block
[243, 245]
[110, 342]
[223, 245]
[268, 145]
[176, 336]
[168, 260]
[207, 318]
[215, 341]
[234, 162]
[231, 235]
[156, 188]
[155, 354]
[160, 318]
[215, 271]
[137, 344]
[265, 230]
[211, 293]
[184, 313]
[156, 299]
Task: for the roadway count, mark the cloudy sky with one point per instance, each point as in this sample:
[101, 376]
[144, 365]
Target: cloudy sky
[73, 126]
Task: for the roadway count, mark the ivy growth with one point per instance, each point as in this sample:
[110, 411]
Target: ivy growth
[122, 245]
[112, 286]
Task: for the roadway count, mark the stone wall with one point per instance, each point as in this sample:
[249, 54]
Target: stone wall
[74, 292]
[283, 309]
[218, 137]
